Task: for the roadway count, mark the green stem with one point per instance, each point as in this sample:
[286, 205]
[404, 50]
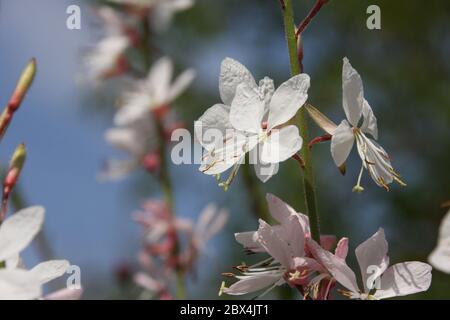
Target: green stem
[308, 175]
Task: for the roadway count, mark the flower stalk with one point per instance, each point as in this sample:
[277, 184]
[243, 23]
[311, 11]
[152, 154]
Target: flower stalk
[164, 176]
[305, 153]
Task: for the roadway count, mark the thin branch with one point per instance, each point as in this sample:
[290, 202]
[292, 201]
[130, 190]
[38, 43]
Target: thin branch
[315, 10]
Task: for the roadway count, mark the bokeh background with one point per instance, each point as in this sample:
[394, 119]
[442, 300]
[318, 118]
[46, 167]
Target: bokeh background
[406, 72]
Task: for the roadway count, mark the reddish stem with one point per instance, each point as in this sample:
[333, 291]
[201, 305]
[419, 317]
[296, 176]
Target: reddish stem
[317, 6]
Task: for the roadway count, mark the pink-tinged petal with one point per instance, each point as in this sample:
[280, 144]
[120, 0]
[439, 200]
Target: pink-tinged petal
[372, 254]
[328, 242]
[403, 279]
[287, 99]
[292, 233]
[342, 143]
[279, 209]
[65, 294]
[249, 240]
[233, 73]
[274, 245]
[251, 284]
[353, 93]
[342, 249]
[335, 266]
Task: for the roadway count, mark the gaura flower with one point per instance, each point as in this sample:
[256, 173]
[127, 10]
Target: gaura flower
[16, 232]
[154, 93]
[253, 118]
[380, 281]
[289, 262]
[107, 58]
[174, 241]
[374, 157]
[440, 257]
[161, 11]
[139, 139]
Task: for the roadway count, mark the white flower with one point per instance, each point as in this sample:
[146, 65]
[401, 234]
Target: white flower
[373, 156]
[440, 257]
[138, 139]
[252, 119]
[380, 282]
[154, 92]
[161, 11]
[106, 58]
[16, 233]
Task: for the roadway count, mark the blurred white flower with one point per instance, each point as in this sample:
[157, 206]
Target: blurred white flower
[253, 119]
[440, 257]
[139, 140]
[161, 12]
[153, 93]
[16, 233]
[380, 282]
[106, 59]
[373, 156]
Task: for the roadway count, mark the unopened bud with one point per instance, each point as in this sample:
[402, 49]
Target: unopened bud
[12, 176]
[24, 83]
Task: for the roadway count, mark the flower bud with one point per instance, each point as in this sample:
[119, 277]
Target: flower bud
[12, 176]
[24, 83]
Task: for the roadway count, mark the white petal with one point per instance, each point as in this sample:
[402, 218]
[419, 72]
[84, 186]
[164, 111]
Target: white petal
[133, 110]
[251, 284]
[444, 230]
[353, 93]
[213, 126]
[249, 240]
[247, 109]
[287, 99]
[17, 231]
[342, 143]
[159, 77]
[403, 279]
[335, 265]
[49, 270]
[281, 144]
[17, 284]
[180, 84]
[265, 171]
[232, 73]
[369, 124]
[372, 254]
[65, 294]
[224, 157]
[440, 257]
[117, 169]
